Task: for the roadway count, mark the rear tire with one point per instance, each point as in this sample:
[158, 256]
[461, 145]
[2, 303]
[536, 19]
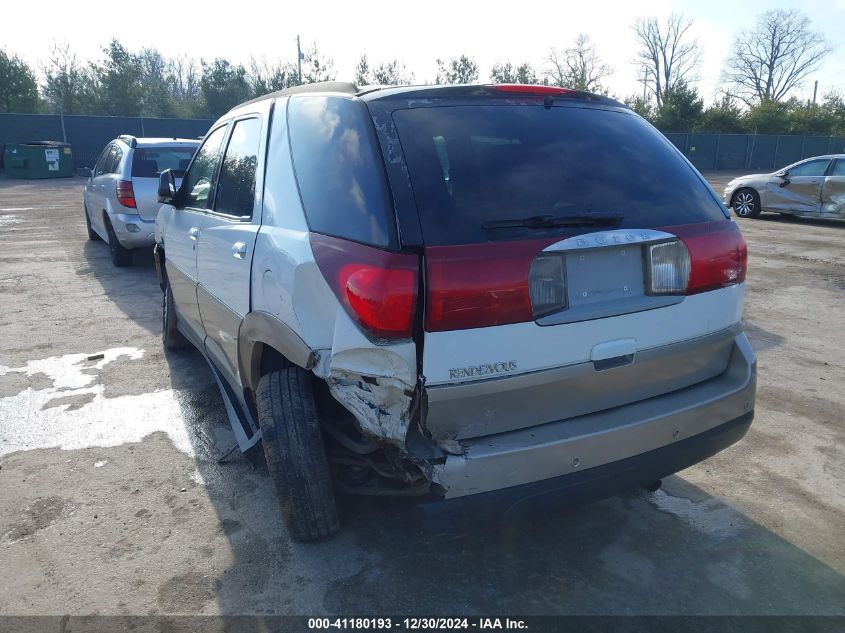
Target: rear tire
[120, 256]
[171, 337]
[92, 234]
[746, 203]
[296, 456]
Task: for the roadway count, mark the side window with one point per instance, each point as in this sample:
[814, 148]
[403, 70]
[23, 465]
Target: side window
[197, 182]
[838, 168]
[810, 168]
[116, 157]
[103, 161]
[236, 183]
[339, 169]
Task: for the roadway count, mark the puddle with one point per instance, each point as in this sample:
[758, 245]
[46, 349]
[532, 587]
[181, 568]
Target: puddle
[67, 408]
[709, 516]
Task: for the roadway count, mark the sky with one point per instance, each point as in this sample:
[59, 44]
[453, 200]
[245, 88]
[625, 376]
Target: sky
[415, 33]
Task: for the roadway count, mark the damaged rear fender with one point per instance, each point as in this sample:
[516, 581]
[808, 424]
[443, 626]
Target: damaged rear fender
[376, 383]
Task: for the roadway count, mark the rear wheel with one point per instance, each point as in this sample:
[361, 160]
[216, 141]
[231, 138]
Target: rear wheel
[296, 456]
[120, 256]
[92, 234]
[171, 337]
[746, 203]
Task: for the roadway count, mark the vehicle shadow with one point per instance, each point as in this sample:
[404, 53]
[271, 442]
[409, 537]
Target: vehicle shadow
[130, 288]
[679, 550]
[794, 219]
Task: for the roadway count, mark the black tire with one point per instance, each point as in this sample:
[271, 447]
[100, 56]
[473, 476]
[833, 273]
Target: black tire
[746, 203]
[92, 234]
[171, 337]
[296, 456]
[120, 256]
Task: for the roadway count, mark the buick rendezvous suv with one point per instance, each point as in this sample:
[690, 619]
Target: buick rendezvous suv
[455, 292]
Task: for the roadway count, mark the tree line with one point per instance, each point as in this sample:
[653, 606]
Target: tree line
[768, 61]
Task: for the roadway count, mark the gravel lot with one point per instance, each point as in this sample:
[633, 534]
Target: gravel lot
[112, 500]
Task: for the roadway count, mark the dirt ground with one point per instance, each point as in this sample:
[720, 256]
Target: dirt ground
[112, 500]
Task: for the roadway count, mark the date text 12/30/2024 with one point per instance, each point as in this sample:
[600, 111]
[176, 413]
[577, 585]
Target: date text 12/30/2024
[416, 624]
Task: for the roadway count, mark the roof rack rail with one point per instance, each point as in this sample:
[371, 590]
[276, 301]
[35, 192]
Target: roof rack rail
[320, 86]
[129, 140]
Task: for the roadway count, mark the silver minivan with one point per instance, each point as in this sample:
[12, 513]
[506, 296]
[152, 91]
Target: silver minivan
[120, 197]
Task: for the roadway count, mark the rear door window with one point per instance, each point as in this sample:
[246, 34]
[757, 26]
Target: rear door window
[236, 183]
[476, 165]
[197, 182]
[149, 162]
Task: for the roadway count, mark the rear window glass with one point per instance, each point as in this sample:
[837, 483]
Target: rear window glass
[339, 170]
[473, 165]
[149, 162]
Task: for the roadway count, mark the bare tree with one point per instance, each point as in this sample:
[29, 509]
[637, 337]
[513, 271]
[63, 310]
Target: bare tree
[666, 53]
[507, 73]
[266, 77]
[184, 79]
[317, 68]
[578, 67]
[458, 70]
[774, 56]
[68, 83]
[392, 73]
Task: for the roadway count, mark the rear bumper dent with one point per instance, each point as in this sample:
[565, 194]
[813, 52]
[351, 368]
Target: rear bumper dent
[581, 445]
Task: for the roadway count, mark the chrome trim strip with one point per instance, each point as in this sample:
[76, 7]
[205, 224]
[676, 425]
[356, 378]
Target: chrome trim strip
[605, 239]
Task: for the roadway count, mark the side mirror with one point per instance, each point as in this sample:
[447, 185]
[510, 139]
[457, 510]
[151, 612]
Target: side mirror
[166, 187]
[85, 172]
[782, 174]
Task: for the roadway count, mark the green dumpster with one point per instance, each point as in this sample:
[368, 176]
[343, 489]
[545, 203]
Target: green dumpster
[38, 159]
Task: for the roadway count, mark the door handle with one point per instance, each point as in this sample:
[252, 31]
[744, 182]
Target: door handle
[194, 233]
[239, 250]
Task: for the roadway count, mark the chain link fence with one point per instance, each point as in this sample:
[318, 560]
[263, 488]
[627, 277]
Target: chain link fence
[89, 134]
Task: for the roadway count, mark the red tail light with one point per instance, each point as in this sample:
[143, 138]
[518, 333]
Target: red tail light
[378, 289]
[718, 255]
[125, 193]
[530, 89]
[479, 285]
[482, 285]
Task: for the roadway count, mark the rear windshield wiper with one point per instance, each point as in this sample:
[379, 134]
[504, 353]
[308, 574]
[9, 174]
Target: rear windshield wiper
[591, 218]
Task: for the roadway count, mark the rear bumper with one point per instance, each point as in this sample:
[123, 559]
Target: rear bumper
[680, 428]
[123, 224]
[595, 483]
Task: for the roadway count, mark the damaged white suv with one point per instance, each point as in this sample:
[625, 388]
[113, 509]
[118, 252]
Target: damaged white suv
[447, 291]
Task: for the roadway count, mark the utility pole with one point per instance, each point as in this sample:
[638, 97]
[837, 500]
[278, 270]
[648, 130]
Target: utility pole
[299, 60]
[62, 119]
[815, 90]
